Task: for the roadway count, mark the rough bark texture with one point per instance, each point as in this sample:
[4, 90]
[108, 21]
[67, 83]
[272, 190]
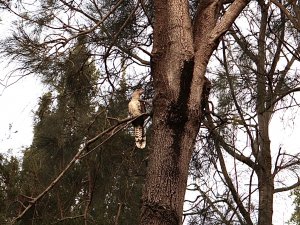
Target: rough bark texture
[172, 68]
[181, 51]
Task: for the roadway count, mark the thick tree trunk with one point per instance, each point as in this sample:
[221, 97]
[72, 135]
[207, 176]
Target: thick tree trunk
[179, 59]
[174, 126]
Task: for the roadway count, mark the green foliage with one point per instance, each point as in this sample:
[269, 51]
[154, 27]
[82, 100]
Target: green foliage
[123, 16]
[9, 187]
[59, 130]
[295, 218]
[103, 187]
[45, 23]
[118, 170]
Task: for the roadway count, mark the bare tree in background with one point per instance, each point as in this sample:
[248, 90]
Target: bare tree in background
[257, 81]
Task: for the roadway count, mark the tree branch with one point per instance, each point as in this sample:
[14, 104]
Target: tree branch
[77, 156]
[229, 17]
[212, 129]
[288, 188]
[231, 187]
[287, 13]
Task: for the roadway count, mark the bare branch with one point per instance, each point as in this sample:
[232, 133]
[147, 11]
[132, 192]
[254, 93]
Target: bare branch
[98, 23]
[208, 123]
[288, 188]
[69, 218]
[287, 13]
[232, 189]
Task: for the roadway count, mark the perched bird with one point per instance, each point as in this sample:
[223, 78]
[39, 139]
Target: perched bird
[136, 107]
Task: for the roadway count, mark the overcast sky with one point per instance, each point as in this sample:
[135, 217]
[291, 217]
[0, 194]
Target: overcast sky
[17, 105]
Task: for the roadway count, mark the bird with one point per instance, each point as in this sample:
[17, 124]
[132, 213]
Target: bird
[136, 107]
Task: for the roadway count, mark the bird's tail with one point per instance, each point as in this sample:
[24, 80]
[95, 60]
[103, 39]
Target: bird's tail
[140, 137]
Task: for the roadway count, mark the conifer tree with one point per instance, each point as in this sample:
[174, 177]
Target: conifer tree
[61, 123]
[105, 186]
[9, 187]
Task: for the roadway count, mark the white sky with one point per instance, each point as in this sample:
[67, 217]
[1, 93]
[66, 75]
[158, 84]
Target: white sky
[286, 134]
[17, 105]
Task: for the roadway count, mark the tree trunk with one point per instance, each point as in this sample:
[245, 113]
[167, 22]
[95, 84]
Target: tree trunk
[174, 127]
[264, 112]
[179, 59]
[264, 172]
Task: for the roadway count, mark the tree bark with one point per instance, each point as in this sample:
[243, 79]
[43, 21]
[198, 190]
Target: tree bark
[174, 130]
[181, 51]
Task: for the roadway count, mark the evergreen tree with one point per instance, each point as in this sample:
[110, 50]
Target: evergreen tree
[59, 129]
[105, 186]
[118, 169]
[9, 187]
[253, 85]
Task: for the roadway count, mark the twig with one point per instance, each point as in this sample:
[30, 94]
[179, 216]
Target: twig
[118, 213]
[69, 218]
